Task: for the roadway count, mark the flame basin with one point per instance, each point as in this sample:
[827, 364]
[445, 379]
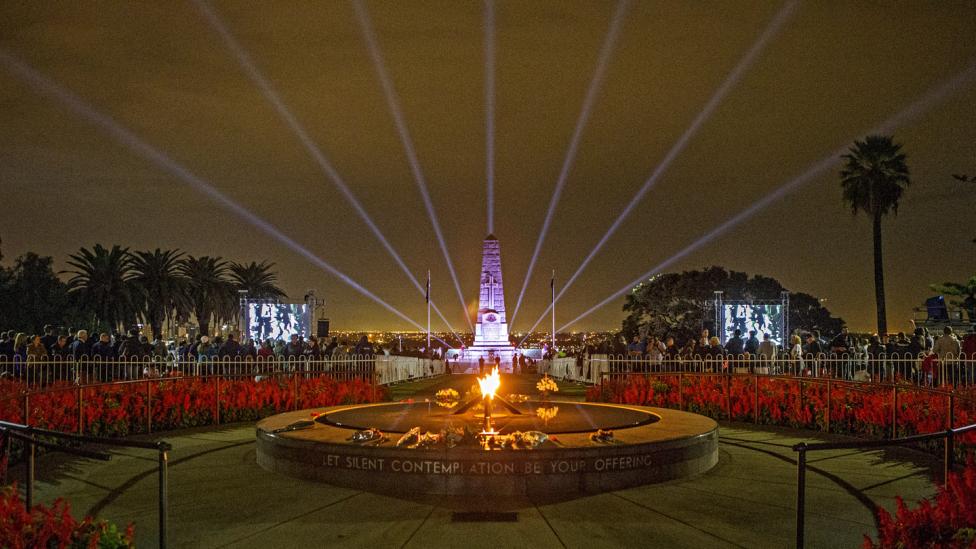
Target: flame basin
[649, 445]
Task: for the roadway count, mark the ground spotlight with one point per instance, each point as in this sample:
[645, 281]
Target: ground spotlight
[44, 85]
[924, 103]
[603, 59]
[743, 65]
[490, 110]
[391, 99]
[272, 96]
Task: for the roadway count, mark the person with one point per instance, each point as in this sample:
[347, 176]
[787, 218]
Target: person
[814, 348]
[36, 351]
[948, 349]
[671, 351]
[131, 347]
[230, 349]
[48, 339]
[79, 347]
[655, 351]
[294, 347]
[312, 348]
[103, 348]
[365, 352]
[841, 348]
[249, 350]
[6, 345]
[364, 348]
[60, 350]
[796, 355]
[767, 352]
[715, 354]
[968, 347]
[331, 347]
[734, 348]
[690, 351]
[265, 353]
[159, 351]
[206, 352]
[752, 344]
[876, 355]
[20, 355]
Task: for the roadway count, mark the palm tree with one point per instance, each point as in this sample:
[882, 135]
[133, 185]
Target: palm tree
[965, 292]
[874, 178]
[257, 279]
[101, 284]
[160, 288]
[208, 288]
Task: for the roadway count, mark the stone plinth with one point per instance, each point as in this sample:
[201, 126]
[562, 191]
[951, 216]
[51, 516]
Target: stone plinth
[675, 445]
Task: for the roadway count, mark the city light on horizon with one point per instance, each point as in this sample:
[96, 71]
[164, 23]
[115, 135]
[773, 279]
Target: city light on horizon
[599, 140]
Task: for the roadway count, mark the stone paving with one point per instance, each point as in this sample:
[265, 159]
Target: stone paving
[219, 497]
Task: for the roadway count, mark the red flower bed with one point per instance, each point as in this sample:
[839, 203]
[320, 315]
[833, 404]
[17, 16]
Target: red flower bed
[40, 526]
[175, 403]
[949, 521]
[858, 409]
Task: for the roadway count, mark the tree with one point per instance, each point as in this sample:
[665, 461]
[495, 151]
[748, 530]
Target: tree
[159, 288]
[32, 295]
[100, 284]
[257, 279]
[965, 293]
[873, 180]
[208, 288]
[680, 304]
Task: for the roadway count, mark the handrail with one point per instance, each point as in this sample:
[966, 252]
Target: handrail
[28, 435]
[801, 463]
[161, 445]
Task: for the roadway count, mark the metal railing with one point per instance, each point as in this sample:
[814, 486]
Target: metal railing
[381, 369]
[925, 369]
[801, 463]
[29, 437]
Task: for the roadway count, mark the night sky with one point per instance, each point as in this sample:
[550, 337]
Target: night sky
[834, 71]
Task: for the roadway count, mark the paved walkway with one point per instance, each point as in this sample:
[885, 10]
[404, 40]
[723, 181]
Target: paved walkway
[219, 497]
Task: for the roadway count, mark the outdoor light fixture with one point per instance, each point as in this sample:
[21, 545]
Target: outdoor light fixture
[489, 46]
[76, 105]
[731, 80]
[931, 98]
[271, 95]
[391, 100]
[603, 60]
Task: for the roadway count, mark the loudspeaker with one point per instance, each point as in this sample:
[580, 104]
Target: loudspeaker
[322, 328]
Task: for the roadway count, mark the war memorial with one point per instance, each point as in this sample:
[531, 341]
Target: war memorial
[365, 274]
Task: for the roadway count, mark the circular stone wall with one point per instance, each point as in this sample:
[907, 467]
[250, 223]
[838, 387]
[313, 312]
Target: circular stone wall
[677, 444]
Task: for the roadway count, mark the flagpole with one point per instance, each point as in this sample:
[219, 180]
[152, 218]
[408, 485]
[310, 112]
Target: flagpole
[428, 312]
[552, 296]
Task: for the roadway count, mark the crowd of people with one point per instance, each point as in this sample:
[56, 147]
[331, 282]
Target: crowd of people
[18, 351]
[844, 355]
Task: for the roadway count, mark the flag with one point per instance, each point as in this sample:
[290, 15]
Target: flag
[552, 285]
[427, 294]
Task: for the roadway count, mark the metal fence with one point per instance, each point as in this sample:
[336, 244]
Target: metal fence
[948, 437]
[378, 369]
[928, 370]
[32, 437]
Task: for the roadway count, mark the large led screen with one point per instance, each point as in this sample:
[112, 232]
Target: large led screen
[764, 318]
[276, 320]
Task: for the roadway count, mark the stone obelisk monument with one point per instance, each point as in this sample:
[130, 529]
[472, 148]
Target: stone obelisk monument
[491, 330]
